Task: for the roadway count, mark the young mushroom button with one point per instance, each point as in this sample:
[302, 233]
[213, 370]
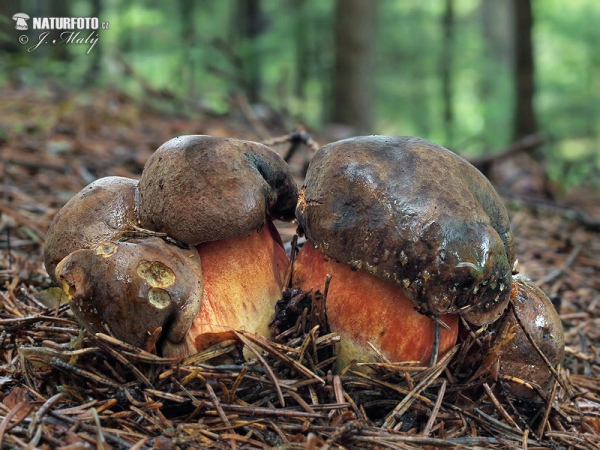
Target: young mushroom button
[132, 289]
[414, 215]
[531, 318]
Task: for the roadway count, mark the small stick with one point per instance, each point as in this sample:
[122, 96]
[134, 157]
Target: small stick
[544, 422]
[217, 405]
[436, 344]
[236, 384]
[500, 408]
[100, 439]
[277, 412]
[262, 360]
[290, 268]
[436, 409]
[133, 351]
[326, 288]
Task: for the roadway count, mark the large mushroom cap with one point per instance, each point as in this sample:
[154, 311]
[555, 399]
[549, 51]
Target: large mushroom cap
[129, 289]
[100, 212]
[414, 214]
[203, 188]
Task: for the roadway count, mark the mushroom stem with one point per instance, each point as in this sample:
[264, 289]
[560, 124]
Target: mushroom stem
[243, 278]
[364, 309]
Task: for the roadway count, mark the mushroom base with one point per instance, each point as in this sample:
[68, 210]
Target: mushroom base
[243, 278]
[363, 309]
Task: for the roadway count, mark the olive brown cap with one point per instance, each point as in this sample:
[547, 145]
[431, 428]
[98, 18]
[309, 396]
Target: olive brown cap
[538, 321]
[101, 211]
[203, 188]
[130, 289]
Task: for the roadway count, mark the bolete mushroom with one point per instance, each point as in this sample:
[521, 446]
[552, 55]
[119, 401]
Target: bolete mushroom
[215, 198]
[420, 226]
[518, 357]
[220, 195]
[202, 189]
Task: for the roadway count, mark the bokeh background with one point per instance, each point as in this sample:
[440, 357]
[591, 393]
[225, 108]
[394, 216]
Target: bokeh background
[472, 75]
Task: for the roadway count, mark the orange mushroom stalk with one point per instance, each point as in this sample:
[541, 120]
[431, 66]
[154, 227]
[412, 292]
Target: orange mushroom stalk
[365, 310]
[243, 278]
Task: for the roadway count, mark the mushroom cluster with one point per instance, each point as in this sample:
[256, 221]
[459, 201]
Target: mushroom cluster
[416, 241]
[183, 256]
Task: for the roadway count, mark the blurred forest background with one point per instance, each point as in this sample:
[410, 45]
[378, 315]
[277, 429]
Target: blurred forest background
[475, 76]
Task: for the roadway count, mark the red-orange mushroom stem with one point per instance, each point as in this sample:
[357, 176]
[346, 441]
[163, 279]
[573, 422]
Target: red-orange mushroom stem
[243, 278]
[364, 309]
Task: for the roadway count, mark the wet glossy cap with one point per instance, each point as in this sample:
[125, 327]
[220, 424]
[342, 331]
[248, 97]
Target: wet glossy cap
[415, 214]
[203, 188]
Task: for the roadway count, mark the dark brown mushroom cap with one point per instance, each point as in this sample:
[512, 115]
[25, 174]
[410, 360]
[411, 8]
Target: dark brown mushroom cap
[203, 188]
[129, 289]
[518, 358]
[414, 214]
[100, 212]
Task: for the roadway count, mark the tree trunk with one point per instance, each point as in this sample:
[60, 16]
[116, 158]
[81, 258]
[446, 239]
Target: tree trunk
[446, 63]
[251, 24]
[59, 9]
[93, 74]
[301, 47]
[353, 69]
[187, 72]
[524, 118]
[9, 40]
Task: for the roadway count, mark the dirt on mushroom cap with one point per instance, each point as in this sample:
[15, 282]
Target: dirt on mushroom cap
[416, 215]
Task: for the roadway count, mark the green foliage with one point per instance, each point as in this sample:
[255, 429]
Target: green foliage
[197, 51]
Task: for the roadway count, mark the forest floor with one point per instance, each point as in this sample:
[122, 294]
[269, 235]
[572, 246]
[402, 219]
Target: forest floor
[62, 388]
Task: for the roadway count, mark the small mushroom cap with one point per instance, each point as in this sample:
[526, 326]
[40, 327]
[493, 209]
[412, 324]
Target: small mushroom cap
[414, 214]
[100, 212]
[129, 289]
[202, 188]
[519, 358]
